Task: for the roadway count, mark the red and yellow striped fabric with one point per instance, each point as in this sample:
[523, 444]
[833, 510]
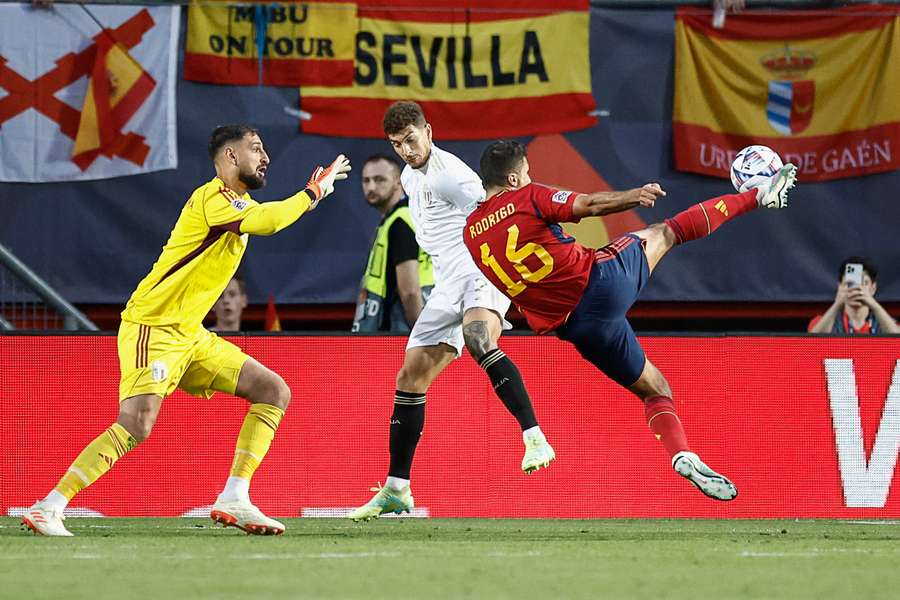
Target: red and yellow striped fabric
[302, 44]
[503, 69]
[819, 87]
[117, 87]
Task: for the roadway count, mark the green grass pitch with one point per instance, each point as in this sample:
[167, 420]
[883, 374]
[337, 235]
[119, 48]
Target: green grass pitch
[431, 559]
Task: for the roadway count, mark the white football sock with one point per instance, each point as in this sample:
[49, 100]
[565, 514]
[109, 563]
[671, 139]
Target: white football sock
[396, 483]
[236, 488]
[533, 434]
[56, 500]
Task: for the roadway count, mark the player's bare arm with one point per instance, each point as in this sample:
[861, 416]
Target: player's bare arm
[604, 203]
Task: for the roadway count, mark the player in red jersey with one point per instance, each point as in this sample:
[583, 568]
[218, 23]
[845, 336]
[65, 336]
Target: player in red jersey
[583, 294]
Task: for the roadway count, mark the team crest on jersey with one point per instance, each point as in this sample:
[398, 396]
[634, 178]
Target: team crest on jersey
[239, 204]
[158, 371]
[561, 197]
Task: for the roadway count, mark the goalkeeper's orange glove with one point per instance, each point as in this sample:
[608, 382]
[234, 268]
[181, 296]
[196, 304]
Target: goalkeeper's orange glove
[321, 182]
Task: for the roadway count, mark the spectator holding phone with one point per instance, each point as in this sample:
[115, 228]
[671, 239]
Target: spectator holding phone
[855, 309]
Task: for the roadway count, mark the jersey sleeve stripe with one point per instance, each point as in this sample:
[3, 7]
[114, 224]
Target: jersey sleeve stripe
[233, 227]
[212, 237]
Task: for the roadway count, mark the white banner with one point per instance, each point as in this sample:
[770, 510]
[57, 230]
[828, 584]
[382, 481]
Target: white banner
[86, 92]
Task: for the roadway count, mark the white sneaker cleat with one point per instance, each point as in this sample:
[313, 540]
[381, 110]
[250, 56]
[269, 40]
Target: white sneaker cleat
[45, 520]
[538, 454]
[245, 516]
[775, 193]
[689, 466]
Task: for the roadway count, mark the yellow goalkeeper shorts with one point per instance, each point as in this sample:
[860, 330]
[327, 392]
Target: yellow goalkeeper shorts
[157, 359]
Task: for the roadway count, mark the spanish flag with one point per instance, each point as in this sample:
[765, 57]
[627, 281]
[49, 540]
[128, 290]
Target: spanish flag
[117, 88]
[290, 44]
[819, 87]
[480, 70]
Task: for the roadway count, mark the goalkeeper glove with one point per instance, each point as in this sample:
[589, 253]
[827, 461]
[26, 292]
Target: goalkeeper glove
[321, 182]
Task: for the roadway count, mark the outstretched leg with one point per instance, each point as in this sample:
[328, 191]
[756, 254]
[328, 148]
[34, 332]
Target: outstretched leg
[700, 220]
[662, 418]
[481, 330]
[136, 418]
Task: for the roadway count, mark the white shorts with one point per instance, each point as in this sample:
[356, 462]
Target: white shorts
[441, 320]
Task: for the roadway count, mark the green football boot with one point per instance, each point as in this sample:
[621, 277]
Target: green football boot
[385, 500]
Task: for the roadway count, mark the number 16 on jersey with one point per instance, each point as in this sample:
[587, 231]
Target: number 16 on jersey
[516, 257]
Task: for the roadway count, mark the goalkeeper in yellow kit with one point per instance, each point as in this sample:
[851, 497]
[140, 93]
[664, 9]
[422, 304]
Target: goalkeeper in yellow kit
[162, 343]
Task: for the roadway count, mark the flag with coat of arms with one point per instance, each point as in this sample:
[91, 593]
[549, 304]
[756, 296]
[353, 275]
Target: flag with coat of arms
[820, 87]
[86, 91]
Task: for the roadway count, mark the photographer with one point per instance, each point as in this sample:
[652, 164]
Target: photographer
[855, 309]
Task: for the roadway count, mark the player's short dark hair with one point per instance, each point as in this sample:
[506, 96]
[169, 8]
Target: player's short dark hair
[386, 158]
[223, 134]
[401, 115]
[868, 266]
[499, 160]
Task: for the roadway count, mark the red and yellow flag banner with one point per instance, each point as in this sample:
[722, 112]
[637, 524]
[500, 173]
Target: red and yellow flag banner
[87, 92]
[503, 69]
[822, 88]
[117, 87]
[300, 44]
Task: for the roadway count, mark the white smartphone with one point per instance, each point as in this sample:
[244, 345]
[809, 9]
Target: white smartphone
[853, 274]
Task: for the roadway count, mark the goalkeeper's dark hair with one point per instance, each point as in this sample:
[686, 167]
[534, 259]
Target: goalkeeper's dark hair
[386, 158]
[224, 134]
[401, 115]
[867, 265]
[499, 160]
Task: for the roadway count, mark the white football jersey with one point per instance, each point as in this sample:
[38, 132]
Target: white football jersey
[441, 195]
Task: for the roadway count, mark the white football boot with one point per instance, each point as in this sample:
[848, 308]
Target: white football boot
[43, 519]
[538, 454]
[774, 194]
[689, 466]
[245, 516]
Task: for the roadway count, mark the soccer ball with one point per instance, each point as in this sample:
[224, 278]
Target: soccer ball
[753, 166]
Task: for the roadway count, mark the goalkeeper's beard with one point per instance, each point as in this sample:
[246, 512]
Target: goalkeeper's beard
[251, 180]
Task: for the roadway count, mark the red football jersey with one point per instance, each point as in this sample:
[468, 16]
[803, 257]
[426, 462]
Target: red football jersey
[515, 239]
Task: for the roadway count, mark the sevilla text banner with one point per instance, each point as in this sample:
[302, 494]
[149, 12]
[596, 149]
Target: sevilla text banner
[486, 74]
[819, 87]
[300, 44]
[86, 92]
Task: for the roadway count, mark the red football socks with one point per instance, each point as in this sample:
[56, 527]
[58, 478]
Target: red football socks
[665, 424]
[702, 219]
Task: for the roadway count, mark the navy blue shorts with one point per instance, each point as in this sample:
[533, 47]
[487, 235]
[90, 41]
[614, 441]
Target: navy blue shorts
[598, 327]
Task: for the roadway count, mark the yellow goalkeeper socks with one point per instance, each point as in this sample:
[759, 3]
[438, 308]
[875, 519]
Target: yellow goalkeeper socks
[255, 438]
[96, 459]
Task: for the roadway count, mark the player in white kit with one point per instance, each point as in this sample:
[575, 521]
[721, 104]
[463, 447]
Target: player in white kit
[464, 308]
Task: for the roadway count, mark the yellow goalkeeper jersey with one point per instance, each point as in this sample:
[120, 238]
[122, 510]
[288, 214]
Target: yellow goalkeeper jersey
[203, 252]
